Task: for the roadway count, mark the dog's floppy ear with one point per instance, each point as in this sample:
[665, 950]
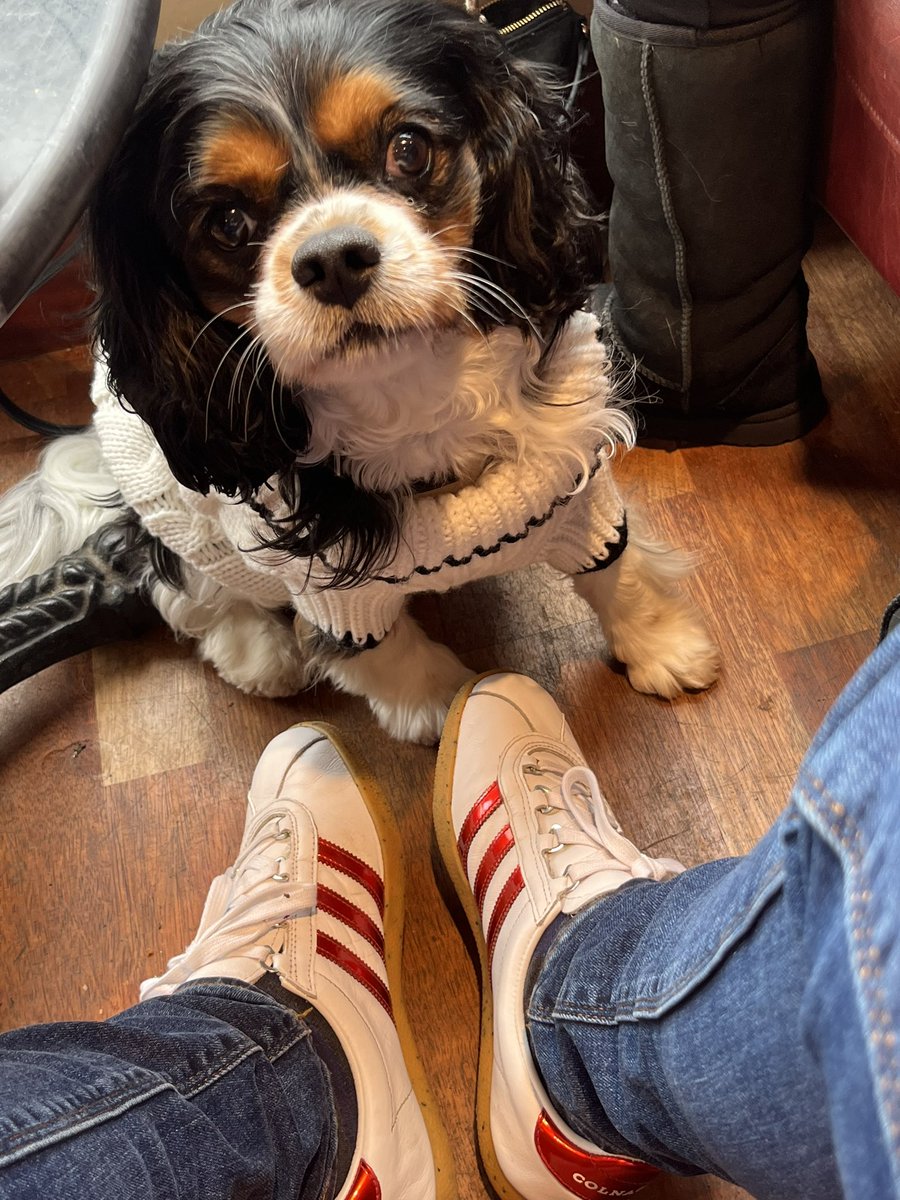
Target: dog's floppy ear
[220, 421]
[537, 215]
[218, 412]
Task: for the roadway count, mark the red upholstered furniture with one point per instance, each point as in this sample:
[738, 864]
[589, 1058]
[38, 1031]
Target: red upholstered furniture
[861, 169]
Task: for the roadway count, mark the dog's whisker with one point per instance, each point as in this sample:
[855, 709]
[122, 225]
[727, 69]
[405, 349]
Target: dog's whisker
[262, 360]
[234, 392]
[494, 289]
[237, 373]
[487, 300]
[212, 320]
[465, 251]
[212, 383]
[467, 317]
[480, 306]
[480, 302]
[275, 422]
[501, 296]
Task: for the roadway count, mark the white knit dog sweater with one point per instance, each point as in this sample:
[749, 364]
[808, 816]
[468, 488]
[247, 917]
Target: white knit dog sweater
[515, 514]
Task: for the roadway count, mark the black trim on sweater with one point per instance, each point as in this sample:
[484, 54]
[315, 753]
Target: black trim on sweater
[324, 641]
[506, 539]
[614, 550]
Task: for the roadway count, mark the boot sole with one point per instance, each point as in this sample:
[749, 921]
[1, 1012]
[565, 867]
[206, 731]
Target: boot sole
[394, 911]
[666, 431]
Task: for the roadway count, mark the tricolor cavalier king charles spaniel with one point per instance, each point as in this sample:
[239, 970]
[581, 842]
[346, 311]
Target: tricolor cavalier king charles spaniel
[343, 356]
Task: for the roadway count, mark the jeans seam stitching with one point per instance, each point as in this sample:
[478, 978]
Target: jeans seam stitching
[84, 1108]
[21, 1147]
[301, 1036]
[21, 1144]
[196, 1084]
[192, 1087]
[843, 827]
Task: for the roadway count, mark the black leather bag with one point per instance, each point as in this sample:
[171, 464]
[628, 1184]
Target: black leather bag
[541, 31]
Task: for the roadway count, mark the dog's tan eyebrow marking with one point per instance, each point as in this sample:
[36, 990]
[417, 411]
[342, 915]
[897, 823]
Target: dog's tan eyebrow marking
[245, 157]
[350, 107]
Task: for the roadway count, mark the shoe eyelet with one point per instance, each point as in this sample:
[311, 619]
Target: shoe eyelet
[560, 845]
[283, 835]
[546, 809]
[280, 877]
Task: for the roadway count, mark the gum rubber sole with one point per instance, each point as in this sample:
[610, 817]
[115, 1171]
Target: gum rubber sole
[394, 910]
[446, 844]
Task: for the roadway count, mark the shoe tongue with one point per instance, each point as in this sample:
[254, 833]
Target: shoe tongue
[261, 951]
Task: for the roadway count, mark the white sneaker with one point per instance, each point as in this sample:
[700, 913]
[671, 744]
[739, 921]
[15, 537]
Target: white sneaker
[316, 896]
[525, 834]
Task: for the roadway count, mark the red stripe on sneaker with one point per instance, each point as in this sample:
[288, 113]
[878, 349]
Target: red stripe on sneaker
[348, 864]
[483, 807]
[365, 1185]
[584, 1174]
[337, 906]
[494, 856]
[344, 957]
[513, 887]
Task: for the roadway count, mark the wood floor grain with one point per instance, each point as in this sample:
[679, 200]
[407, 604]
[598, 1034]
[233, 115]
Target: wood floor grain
[123, 772]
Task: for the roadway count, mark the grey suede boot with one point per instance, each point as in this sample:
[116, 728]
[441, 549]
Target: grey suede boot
[709, 141]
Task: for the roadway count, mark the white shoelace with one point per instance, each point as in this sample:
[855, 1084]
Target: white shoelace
[245, 906]
[584, 819]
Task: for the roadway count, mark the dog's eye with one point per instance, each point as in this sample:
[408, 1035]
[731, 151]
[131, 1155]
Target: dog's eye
[408, 155]
[230, 227]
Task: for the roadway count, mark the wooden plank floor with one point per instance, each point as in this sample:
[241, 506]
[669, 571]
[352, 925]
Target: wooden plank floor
[122, 773]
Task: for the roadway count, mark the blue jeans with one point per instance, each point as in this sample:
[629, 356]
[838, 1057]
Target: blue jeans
[744, 1017]
[740, 1019]
[213, 1092]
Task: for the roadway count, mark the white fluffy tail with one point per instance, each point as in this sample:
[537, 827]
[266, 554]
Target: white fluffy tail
[53, 510]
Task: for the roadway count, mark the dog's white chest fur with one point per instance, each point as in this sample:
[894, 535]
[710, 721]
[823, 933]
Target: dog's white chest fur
[442, 407]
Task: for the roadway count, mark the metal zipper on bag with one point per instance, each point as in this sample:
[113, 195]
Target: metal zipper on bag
[532, 16]
[480, 9]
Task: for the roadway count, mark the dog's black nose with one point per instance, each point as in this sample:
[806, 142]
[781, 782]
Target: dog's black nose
[337, 266]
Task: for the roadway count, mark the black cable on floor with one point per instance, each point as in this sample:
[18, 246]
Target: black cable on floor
[35, 424]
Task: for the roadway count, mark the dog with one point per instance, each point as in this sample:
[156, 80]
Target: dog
[343, 259]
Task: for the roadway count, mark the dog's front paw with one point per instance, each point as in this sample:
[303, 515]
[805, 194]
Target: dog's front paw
[673, 653]
[408, 680]
[412, 723]
[685, 668]
[256, 651]
[418, 706]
